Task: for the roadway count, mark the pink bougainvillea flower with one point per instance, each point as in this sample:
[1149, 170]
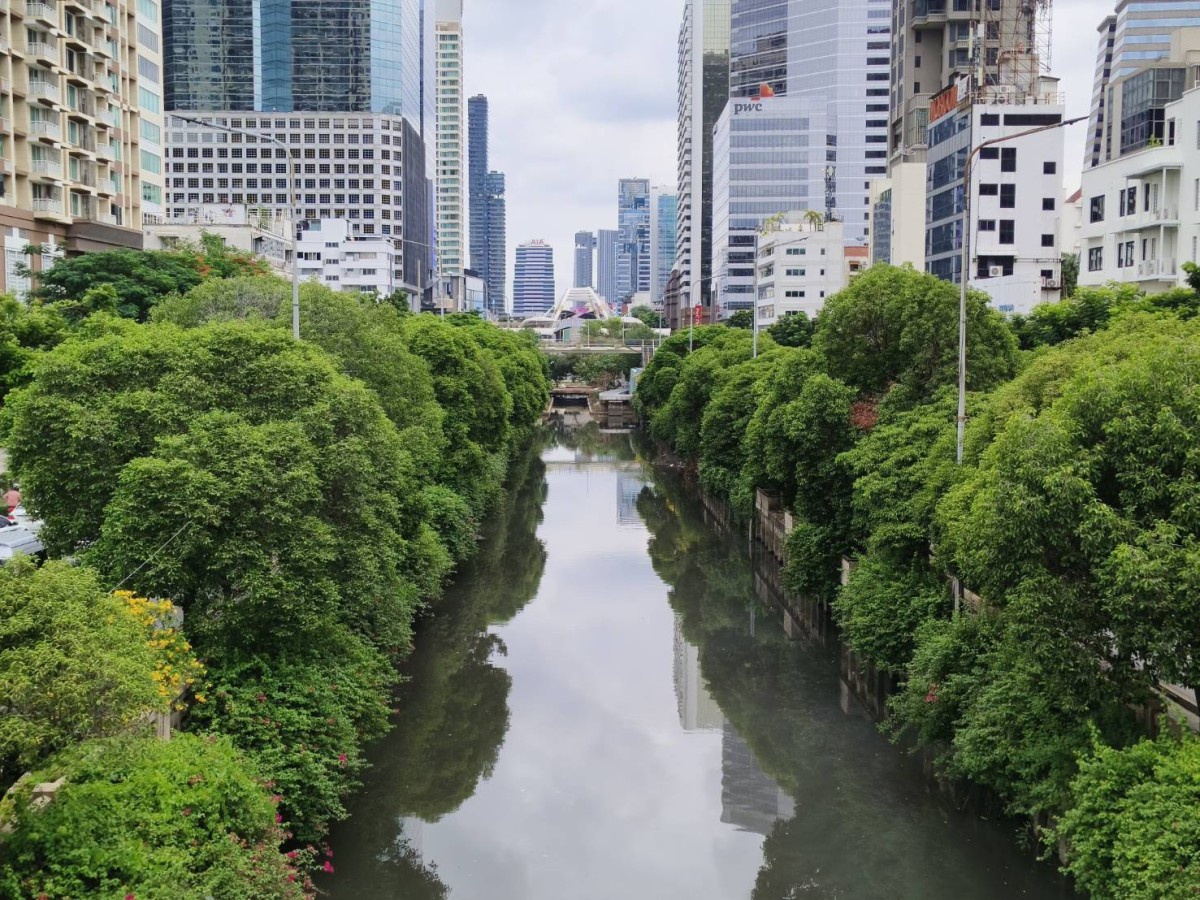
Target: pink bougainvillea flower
[328, 867]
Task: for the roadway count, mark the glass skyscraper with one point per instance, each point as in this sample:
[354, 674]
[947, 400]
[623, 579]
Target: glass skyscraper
[608, 245]
[664, 209]
[585, 255]
[633, 222]
[486, 202]
[296, 56]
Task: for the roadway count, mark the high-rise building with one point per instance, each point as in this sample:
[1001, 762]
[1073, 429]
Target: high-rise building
[81, 143]
[585, 254]
[764, 163]
[376, 181]
[836, 54]
[664, 211]
[345, 87]
[533, 280]
[633, 222]
[451, 168]
[477, 178]
[608, 246]
[312, 56]
[496, 275]
[703, 89]
[1146, 34]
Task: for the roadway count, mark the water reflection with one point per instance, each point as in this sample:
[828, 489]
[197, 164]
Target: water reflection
[845, 814]
[622, 737]
[452, 710]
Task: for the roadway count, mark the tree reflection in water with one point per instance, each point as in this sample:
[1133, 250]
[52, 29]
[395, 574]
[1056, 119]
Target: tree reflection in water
[867, 823]
[452, 710]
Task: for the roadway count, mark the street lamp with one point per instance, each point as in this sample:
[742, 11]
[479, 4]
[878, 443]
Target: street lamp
[291, 201]
[966, 266]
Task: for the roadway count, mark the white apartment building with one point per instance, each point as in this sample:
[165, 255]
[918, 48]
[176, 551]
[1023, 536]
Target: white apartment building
[1016, 191]
[264, 233]
[451, 162]
[798, 264]
[335, 253]
[80, 128]
[1141, 211]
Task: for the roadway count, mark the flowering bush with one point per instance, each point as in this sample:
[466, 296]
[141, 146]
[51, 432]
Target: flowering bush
[304, 719]
[177, 669]
[150, 819]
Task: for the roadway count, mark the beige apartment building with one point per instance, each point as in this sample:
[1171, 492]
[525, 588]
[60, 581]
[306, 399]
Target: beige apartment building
[80, 128]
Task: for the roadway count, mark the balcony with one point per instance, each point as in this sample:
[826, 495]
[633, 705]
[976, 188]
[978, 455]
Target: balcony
[1155, 269]
[47, 168]
[5, 46]
[5, 86]
[42, 50]
[105, 151]
[45, 129]
[47, 206]
[108, 185]
[45, 90]
[1163, 216]
[43, 11]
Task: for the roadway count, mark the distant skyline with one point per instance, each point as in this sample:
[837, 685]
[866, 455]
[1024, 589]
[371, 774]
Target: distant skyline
[565, 141]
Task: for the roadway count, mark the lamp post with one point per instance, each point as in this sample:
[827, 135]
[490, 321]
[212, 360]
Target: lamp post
[966, 266]
[291, 204]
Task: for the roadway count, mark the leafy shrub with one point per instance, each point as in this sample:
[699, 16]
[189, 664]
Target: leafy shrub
[74, 663]
[304, 719]
[1133, 832]
[155, 820]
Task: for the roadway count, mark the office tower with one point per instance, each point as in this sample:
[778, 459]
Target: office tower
[533, 280]
[496, 276]
[751, 800]
[477, 180]
[633, 223]
[704, 37]
[765, 162]
[837, 57]
[608, 246]
[312, 56]
[344, 89]
[585, 253]
[664, 209]
[451, 174]
[1139, 36]
[82, 131]
[369, 170]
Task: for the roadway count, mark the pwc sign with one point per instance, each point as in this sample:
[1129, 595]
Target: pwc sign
[747, 106]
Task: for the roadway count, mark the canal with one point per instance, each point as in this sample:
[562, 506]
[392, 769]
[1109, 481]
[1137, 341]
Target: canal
[601, 708]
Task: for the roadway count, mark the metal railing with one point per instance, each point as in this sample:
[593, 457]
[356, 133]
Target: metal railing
[47, 167]
[47, 128]
[47, 205]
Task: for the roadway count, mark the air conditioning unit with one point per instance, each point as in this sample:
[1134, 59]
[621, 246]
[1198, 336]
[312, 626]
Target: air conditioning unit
[995, 271]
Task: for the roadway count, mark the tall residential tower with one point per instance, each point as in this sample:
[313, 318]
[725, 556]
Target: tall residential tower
[585, 255]
[451, 161]
[487, 208]
[533, 281]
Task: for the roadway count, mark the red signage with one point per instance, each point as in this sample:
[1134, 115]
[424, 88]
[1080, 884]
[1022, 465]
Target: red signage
[943, 103]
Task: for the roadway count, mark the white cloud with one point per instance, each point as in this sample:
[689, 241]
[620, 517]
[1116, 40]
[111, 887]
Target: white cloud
[583, 94]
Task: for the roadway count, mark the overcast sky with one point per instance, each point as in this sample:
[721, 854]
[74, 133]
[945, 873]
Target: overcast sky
[582, 94]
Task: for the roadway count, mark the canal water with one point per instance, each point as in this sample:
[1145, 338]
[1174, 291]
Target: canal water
[600, 708]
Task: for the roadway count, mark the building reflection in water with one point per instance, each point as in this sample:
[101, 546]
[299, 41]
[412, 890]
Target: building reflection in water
[750, 799]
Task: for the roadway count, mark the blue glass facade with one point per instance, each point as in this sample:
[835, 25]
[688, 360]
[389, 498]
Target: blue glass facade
[295, 56]
[497, 243]
[633, 222]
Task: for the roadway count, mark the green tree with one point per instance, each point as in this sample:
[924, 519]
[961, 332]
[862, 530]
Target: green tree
[1133, 831]
[25, 332]
[74, 663]
[1070, 274]
[899, 327]
[140, 278]
[743, 318]
[793, 330]
[137, 817]
[650, 317]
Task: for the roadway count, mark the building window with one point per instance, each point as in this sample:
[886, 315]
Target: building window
[1048, 204]
[1049, 168]
[1047, 240]
[987, 224]
[1008, 196]
[1097, 209]
[989, 153]
[988, 119]
[1127, 201]
[1008, 232]
[1008, 159]
[989, 190]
